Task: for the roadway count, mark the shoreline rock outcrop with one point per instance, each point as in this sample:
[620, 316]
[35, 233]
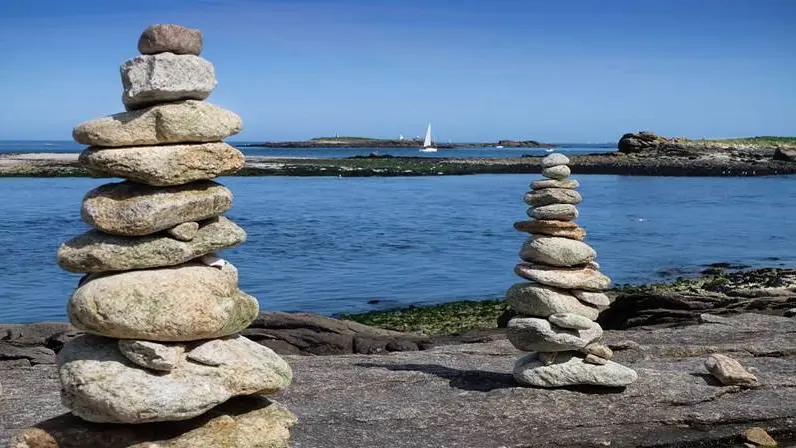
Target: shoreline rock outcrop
[161, 312]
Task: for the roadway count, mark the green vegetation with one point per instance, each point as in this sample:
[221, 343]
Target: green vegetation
[447, 318]
[757, 142]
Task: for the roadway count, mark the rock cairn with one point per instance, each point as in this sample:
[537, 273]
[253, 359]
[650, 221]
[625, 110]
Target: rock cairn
[160, 309]
[557, 309]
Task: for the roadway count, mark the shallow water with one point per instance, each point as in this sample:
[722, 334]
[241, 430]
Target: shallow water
[330, 245]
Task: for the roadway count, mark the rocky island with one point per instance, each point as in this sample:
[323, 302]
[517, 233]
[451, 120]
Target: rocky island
[369, 142]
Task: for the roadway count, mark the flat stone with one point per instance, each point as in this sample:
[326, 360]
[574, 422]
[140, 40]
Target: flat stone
[556, 251]
[101, 385]
[533, 299]
[549, 196]
[556, 212]
[166, 164]
[152, 355]
[242, 422]
[559, 172]
[181, 303]
[571, 370]
[572, 321]
[185, 231]
[597, 299]
[96, 251]
[531, 334]
[183, 122]
[598, 349]
[729, 371]
[164, 77]
[541, 184]
[555, 159]
[596, 360]
[759, 437]
[567, 278]
[564, 229]
[132, 209]
[170, 38]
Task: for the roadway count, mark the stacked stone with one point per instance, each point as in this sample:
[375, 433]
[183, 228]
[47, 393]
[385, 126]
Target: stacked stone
[162, 312]
[557, 309]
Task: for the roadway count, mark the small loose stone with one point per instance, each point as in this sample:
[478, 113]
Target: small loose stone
[598, 349]
[729, 371]
[185, 231]
[596, 360]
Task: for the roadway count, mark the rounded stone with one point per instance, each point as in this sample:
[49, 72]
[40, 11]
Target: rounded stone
[548, 196]
[571, 321]
[132, 209]
[170, 38]
[165, 165]
[541, 184]
[556, 212]
[566, 278]
[185, 231]
[166, 77]
[571, 370]
[598, 299]
[182, 303]
[556, 251]
[564, 229]
[559, 172]
[532, 334]
[533, 299]
[555, 159]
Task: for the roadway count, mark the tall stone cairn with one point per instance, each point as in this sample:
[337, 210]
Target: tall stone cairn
[558, 307]
[161, 311]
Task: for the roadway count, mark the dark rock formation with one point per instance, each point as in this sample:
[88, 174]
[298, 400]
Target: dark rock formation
[785, 155]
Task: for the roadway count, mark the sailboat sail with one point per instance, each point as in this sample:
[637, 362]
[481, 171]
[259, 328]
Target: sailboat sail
[427, 141]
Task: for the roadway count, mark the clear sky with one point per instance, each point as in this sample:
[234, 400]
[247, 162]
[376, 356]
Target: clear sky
[562, 71]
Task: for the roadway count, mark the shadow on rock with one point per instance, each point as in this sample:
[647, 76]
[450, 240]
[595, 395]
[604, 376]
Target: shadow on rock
[476, 380]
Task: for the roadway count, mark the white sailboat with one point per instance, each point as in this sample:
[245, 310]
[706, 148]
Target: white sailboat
[427, 146]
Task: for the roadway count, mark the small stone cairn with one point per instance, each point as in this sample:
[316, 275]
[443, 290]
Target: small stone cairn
[557, 309]
[160, 309]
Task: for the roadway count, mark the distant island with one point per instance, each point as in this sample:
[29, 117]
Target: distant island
[367, 142]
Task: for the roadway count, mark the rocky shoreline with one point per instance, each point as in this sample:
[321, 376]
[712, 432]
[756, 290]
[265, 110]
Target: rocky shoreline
[712, 164]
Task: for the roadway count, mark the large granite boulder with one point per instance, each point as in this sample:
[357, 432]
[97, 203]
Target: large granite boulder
[164, 77]
[96, 251]
[165, 165]
[639, 142]
[132, 209]
[101, 385]
[170, 38]
[180, 303]
[182, 122]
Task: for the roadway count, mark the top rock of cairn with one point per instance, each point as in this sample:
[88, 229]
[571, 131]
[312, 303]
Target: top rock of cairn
[170, 39]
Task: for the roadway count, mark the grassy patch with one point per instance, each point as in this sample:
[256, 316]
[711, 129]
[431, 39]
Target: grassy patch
[453, 317]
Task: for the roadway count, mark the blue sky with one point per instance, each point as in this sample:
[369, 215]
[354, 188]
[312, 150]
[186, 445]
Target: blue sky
[565, 70]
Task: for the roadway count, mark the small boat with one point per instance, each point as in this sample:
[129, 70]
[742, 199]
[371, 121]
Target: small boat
[427, 146]
[549, 150]
[499, 147]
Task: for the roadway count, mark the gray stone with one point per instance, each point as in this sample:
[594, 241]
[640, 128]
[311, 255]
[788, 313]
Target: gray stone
[729, 371]
[549, 196]
[170, 38]
[567, 278]
[571, 370]
[101, 385]
[555, 159]
[165, 165]
[597, 299]
[183, 122]
[565, 229]
[181, 303]
[152, 355]
[541, 184]
[598, 349]
[556, 251]
[596, 360]
[554, 212]
[570, 320]
[531, 334]
[533, 299]
[185, 231]
[559, 172]
[132, 209]
[164, 77]
[96, 251]
[242, 422]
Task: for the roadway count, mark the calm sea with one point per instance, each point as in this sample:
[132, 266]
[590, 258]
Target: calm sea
[329, 245]
[28, 146]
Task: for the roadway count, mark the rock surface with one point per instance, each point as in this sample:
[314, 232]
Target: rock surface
[170, 38]
[95, 251]
[181, 303]
[164, 77]
[132, 209]
[539, 300]
[101, 385]
[183, 122]
[556, 251]
[555, 212]
[729, 371]
[567, 278]
[565, 229]
[457, 393]
[165, 165]
[549, 196]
